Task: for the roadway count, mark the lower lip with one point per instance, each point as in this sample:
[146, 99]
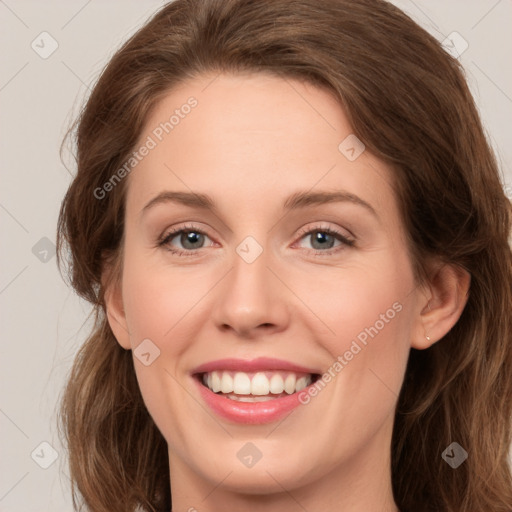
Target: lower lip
[249, 413]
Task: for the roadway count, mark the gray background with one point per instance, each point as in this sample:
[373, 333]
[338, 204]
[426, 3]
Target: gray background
[42, 322]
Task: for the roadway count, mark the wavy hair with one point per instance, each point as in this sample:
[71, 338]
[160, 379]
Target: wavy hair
[408, 101]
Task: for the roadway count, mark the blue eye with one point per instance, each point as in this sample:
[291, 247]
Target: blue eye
[184, 241]
[324, 239]
[191, 239]
[187, 240]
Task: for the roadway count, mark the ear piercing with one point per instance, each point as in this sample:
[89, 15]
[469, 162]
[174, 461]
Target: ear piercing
[426, 335]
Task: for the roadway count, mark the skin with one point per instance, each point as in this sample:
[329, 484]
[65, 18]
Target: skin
[251, 142]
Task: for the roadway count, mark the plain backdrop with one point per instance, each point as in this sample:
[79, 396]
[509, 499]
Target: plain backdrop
[42, 321]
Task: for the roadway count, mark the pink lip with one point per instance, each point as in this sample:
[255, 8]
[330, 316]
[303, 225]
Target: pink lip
[255, 365]
[249, 413]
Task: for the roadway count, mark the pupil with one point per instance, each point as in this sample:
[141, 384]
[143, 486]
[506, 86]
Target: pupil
[323, 239]
[190, 238]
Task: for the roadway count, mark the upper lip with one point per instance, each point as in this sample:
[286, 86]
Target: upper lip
[253, 365]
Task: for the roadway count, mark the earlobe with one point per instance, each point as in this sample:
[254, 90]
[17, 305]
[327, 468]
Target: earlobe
[115, 311]
[443, 306]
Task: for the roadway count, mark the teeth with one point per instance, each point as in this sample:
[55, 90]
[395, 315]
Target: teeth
[289, 384]
[215, 384]
[276, 384]
[301, 384]
[250, 398]
[226, 383]
[242, 384]
[260, 384]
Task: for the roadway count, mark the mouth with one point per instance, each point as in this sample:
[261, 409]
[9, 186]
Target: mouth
[259, 386]
[258, 391]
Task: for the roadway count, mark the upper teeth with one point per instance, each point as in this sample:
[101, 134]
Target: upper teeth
[260, 383]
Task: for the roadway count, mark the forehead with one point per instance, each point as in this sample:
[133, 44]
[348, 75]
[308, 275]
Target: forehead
[258, 136]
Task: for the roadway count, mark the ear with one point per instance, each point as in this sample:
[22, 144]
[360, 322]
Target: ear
[445, 298]
[113, 298]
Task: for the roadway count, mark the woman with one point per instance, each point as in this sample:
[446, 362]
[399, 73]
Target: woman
[292, 229]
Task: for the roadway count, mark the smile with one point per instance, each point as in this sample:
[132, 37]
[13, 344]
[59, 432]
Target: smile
[252, 392]
[256, 386]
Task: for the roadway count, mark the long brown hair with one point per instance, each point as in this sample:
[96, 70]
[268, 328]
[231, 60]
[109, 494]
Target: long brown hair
[408, 101]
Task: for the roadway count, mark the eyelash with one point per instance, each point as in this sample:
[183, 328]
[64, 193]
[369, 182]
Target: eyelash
[167, 237]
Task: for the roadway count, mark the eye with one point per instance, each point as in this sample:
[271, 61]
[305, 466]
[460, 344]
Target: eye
[184, 241]
[324, 240]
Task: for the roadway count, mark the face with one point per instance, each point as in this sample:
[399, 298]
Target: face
[266, 261]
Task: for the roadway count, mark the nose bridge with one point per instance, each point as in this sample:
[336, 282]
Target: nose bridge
[250, 296]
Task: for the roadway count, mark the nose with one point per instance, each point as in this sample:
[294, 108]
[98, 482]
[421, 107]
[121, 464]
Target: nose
[251, 300]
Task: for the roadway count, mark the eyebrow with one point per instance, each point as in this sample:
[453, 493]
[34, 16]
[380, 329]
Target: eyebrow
[295, 201]
[304, 199]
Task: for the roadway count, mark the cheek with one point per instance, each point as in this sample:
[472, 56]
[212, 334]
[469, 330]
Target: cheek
[358, 304]
[366, 315]
[160, 304]
[159, 299]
